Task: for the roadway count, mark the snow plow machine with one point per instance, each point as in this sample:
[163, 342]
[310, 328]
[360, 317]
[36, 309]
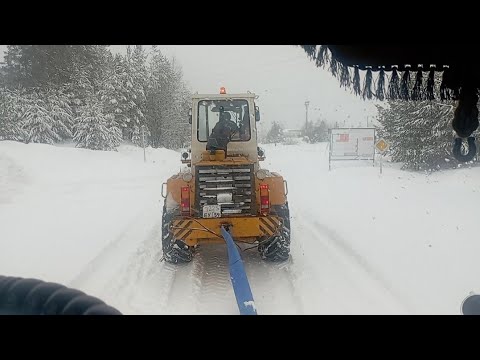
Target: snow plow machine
[223, 185]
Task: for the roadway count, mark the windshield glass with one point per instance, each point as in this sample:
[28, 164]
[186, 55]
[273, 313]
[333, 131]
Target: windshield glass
[348, 176]
[235, 113]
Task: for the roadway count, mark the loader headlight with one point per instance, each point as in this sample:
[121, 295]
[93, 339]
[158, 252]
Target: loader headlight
[261, 174]
[187, 177]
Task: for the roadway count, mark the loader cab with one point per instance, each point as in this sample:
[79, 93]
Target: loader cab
[238, 112]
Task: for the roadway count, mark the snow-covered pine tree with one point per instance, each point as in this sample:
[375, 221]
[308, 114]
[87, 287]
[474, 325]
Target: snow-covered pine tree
[88, 66]
[275, 134]
[158, 101]
[138, 69]
[11, 113]
[112, 93]
[176, 127]
[137, 135]
[95, 130]
[16, 65]
[184, 105]
[420, 134]
[125, 95]
[167, 102]
[317, 132]
[123, 92]
[41, 66]
[38, 123]
[57, 104]
[46, 116]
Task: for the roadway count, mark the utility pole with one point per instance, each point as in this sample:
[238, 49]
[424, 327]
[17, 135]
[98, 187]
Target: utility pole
[306, 116]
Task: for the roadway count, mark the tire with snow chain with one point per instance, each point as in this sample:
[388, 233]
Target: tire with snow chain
[277, 249]
[174, 251]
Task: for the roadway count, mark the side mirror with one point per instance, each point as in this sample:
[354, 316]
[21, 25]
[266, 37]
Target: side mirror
[261, 153]
[257, 114]
[190, 116]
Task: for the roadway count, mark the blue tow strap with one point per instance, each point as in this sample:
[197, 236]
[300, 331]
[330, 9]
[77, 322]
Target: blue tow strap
[240, 284]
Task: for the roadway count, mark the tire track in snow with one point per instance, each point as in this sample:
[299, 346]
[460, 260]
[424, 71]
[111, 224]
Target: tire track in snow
[272, 285]
[337, 283]
[139, 226]
[204, 286]
[208, 288]
[127, 263]
[214, 289]
[144, 273]
[144, 284]
[13, 179]
[135, 281]
[183, 294]
[343, 247]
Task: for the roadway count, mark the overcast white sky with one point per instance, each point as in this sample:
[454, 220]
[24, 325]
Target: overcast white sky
[281, 75]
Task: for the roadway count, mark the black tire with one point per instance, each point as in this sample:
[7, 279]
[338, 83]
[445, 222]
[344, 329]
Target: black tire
[277, 249]
[20, 296]
[174, 251]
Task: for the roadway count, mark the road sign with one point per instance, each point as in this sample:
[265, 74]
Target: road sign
[351, 144]
[382, 146]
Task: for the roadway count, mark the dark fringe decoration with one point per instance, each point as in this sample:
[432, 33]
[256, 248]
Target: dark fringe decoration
[404, 85]
[356, 81]
[444, 91]
[456, 94]
[310, 50]
[322, 56]
[430, 95]
[334, 67]
[393, 87]
[399, 88]
[465, 118]
[344, 76]
[417, 89]
[367, 88]
[381, 85]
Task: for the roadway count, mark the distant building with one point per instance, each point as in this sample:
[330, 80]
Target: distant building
[293, 133]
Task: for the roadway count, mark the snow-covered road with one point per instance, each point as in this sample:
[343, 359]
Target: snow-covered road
[400, 243]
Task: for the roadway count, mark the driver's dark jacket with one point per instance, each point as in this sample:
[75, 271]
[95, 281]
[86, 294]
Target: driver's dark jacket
[221, 135]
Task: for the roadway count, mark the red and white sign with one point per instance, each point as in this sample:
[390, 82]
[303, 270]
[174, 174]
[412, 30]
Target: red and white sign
[352, 144]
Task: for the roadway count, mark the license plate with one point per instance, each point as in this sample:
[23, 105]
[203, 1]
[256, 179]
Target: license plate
[212, 211]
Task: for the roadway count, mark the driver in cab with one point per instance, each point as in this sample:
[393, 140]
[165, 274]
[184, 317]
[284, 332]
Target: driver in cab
[222, 132]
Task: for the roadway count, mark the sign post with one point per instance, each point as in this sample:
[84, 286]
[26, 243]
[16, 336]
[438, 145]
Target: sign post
[330, 150]
[143, 143]
[382, 146]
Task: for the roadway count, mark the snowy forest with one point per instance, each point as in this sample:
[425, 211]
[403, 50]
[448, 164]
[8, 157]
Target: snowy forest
[314, 132]
[87, 94]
